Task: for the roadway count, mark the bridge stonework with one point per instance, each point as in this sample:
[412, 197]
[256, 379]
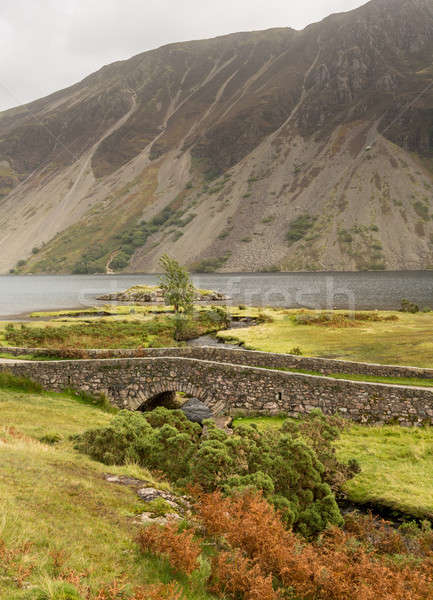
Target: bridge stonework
[229, 388]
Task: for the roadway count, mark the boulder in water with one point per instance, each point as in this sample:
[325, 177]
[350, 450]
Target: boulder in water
[196, 411]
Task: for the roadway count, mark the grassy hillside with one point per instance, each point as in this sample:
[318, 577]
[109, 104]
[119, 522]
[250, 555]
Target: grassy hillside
[77, 524]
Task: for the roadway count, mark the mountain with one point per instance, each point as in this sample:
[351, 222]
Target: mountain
[270, 150]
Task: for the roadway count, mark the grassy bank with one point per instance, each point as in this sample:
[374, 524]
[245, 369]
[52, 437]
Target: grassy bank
[397, 467]
[59, 502]
[394, 338]
[396, 463]
[130, 330]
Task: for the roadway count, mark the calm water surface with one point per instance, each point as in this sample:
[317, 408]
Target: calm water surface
[381, 290]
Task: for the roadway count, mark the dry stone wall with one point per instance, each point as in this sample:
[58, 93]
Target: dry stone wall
[248, 358]
[230, 388]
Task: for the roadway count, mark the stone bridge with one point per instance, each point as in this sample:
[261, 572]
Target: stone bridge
[232, 387]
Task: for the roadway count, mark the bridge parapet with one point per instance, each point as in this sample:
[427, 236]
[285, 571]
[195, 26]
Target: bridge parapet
[248, 358]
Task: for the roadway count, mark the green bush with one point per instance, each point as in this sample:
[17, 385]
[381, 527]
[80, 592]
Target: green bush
[210, 265]
[409, 307]
[421, 210]
[161, 439]
[159, 507]
[51, 438]
[296, 351]
[299, 227]
[320, 432]
[120, 261]
[279, 463]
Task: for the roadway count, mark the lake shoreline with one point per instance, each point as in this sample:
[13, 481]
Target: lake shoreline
[22, 295]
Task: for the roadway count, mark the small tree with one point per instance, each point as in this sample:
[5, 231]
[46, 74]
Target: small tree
[176, 285]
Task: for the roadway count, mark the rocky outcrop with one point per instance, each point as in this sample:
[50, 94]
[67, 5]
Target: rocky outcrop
[143, 294]
[179, 505]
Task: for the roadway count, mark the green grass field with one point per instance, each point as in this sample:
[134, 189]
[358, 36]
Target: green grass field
[58, 500]
[397, 467]
[396, 463]
[405, 341]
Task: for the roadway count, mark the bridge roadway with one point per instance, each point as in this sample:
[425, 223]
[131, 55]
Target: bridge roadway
[229, 388]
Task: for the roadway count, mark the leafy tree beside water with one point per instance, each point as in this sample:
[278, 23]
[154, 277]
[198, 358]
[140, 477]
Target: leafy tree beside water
[176, 285]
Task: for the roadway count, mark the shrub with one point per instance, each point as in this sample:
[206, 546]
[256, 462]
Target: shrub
[180, 549]
[120, 261]
[409, 307]
[51, 438]
[320, 432]
[210, 265]
[257, 548]
[421, 210]
[234, 576]
[296, 351]
[162, 440]
[278, 463]
[159, 507]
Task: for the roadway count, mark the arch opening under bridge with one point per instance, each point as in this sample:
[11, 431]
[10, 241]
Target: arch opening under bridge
[167, 396]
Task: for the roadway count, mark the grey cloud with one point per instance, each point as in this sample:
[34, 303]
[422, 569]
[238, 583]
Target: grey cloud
[46, 45]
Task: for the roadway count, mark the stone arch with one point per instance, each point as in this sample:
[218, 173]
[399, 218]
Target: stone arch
[160, 393]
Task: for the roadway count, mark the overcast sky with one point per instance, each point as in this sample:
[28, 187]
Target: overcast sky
[46, 45]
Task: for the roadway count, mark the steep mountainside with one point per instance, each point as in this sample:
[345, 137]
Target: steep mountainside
[272, 150]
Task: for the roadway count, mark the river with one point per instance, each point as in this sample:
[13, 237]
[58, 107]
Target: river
[355, 291]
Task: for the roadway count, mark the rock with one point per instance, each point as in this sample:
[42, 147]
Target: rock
[148, 494]
[124, 480]
[196, 411]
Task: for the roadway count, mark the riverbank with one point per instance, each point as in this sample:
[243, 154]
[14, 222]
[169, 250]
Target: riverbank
[396, 467]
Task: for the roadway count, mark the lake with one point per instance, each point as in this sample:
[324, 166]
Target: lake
[354, 291]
